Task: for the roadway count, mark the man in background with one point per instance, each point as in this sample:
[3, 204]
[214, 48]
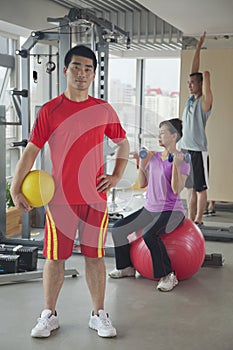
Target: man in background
[195, 115]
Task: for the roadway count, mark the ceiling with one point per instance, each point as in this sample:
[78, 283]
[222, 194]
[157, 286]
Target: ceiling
[194, 17]
[191, 18]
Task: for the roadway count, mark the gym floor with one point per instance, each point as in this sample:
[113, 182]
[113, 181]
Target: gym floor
[196, 315]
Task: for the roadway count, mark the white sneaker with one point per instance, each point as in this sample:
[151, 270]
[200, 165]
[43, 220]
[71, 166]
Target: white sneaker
[46, 323]
[102, 324]
[127, 272]
[167, 283]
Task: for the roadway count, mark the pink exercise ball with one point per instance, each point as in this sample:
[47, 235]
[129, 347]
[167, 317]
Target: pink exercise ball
[185, 246]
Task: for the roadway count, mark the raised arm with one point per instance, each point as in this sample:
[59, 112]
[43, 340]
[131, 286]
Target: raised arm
[143, 174]
[207, 97]
[178, 180]
[196, 57]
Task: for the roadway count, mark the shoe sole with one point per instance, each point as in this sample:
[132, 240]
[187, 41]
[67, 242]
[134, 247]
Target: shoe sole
[103, 335]
[167, 290]
[209, 215]
[43, 335]
[116, 277]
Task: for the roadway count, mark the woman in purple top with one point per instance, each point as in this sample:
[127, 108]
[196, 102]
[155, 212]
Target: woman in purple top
[163, 210]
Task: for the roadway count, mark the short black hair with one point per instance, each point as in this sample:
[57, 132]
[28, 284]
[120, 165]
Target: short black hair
[198, 75]
[174, 126]
[80, 50]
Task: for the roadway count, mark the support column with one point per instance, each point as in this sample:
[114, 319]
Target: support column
[64, 46]
[140, 84]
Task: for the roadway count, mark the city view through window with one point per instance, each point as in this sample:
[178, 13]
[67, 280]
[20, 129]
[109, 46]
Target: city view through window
[160, 97]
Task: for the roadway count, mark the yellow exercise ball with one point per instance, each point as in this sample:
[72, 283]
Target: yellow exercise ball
[38, 188]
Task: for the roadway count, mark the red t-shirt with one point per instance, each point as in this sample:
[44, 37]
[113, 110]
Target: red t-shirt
[75, 134]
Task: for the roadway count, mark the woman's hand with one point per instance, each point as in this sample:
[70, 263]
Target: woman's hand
[178, 158]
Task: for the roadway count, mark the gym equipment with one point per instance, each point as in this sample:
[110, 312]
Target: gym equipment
[187, 157]
[50, 66]
[214, 259]
[113, 217]
[22, 143]
[185, 246]
[29, 275]
[218, 234]
[9, 264]
[27, 256]
[143, 153]
[38, 188]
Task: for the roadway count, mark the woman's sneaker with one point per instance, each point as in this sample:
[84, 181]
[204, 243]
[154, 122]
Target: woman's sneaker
[127, 272]
[46, 323]
[167, 283]
[102, 324]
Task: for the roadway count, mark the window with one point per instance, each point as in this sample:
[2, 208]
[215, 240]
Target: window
[122, 96]
[160, 97]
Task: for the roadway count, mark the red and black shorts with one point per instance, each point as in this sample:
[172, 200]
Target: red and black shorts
[64, 223]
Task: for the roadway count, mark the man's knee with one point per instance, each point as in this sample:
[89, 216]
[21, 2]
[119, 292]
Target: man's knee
[94, 261]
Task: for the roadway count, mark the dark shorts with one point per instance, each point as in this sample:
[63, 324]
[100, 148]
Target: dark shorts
[199, 171]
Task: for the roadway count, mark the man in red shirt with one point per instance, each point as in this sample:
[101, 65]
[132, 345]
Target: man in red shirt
[74, 125]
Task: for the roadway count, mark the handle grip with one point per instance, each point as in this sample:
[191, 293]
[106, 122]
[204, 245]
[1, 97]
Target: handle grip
[22, 143]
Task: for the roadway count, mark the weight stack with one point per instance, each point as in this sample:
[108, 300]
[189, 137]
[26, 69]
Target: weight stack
[28, 256]
[9, 263]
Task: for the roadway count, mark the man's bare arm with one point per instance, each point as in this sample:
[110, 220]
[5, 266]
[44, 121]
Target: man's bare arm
[207, 96]
[196, 58]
